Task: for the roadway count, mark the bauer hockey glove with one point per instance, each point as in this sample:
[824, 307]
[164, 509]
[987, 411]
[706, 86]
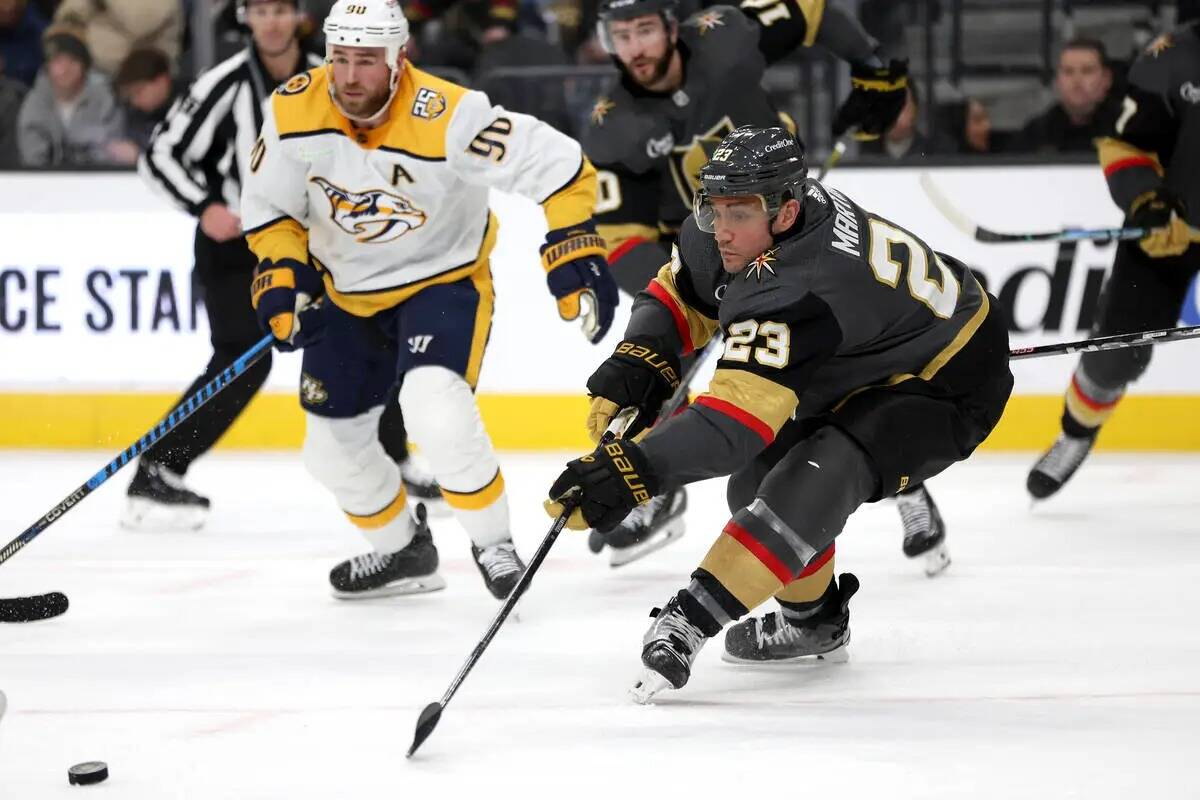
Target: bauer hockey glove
[577, 274]
[877, 96]
[641, 373]
[282, 295]
[1163, 213]
[613, 480]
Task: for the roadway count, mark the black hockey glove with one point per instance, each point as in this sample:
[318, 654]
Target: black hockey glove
[576, 268]
[283, 295]
[641, 373]
[1165, 215]
[877, 96]
[613, 480]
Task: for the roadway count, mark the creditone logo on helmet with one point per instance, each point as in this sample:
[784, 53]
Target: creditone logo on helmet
[373, 216]
[687, 159]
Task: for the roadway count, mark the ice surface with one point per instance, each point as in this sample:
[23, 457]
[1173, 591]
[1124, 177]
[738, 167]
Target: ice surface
[1059, 656]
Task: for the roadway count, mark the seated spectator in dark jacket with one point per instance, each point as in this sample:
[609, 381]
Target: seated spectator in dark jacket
[967, 127]
[904, 141]
[21, 28]
[1085, 108]
[11, 95]
[69, 118]
[145, 89]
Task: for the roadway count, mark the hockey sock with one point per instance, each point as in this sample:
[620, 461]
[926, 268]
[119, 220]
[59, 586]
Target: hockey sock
[388, 529]
[807, 595]
[1088, 405]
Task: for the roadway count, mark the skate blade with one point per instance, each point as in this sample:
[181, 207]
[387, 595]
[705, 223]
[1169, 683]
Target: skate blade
[838, 655]
[151, 517]
[648, 684]
[421, 585]
[620, 556]
[936, 561]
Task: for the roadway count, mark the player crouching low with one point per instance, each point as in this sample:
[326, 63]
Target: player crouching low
[369, 186]
[857, 363]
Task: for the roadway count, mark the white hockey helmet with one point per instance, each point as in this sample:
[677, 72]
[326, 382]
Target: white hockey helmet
[367, 23]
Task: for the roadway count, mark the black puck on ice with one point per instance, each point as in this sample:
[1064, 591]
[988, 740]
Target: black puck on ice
[88, 772]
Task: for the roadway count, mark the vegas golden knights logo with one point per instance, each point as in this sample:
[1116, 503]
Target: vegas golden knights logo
[373, 216]
[688, 157]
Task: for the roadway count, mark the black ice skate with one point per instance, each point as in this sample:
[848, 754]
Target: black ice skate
[422, 486]
[1058, 464]
[647, 528]
[924, 531]
[500, 567]
[158, 500]
[669, 649]
[774, 639]
[412, 570]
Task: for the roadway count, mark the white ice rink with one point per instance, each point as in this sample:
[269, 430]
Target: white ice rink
[1058, 657]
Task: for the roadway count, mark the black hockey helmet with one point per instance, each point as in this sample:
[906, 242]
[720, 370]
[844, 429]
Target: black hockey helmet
[610, 10]
[767, 163]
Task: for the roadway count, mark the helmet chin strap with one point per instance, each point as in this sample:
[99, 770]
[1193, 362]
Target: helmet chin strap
[394, 82]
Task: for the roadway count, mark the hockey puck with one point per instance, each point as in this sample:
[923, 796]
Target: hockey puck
[87, 773]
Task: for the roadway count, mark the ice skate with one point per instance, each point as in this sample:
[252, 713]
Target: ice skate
[669, 649]
[1057, 465]
[412, 570]
[158, 500]
[924, 531]
[500, 566]
[647, 528]
[774, 639]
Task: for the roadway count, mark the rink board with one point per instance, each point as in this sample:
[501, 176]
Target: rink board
[100, 328]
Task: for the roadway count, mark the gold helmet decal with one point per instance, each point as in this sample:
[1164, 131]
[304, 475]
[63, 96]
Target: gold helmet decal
[373, 216]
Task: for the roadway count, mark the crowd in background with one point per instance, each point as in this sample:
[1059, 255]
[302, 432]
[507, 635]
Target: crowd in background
[84, 82]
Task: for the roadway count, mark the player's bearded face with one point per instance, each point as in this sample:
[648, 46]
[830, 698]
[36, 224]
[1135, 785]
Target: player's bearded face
[644, 46]
[742, 230]
[361, 79]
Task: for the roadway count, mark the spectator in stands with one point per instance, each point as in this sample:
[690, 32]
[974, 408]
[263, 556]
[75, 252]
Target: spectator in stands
[967, 126]
[145, 90]
[11, 94]
[1085, 108]
[69, 118]
[116, 27]
[904, 141]
[21, 28]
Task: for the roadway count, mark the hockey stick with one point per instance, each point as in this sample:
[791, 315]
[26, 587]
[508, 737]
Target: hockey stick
[835, 155]
[1115, 342]
[982, 234]
[430, 715]
[31, 609]
[168, 424]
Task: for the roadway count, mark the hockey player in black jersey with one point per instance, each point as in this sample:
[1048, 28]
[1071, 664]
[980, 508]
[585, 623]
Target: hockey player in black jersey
[857, 361]
[683, 86]
[1152, 165]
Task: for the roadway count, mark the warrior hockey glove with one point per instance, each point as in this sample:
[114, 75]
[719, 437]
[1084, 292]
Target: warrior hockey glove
[612, 481]
[641, 373]
[1164, 213]
[577, 274]
[877, 96]
[282, 295]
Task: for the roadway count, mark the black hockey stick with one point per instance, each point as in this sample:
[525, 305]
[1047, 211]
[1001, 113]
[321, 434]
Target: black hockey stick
[982, 234]
[31, 609]
[1116, 342]
[168, 424]
[429, 717]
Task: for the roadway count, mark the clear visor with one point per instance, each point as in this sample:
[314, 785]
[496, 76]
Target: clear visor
[630, 29]
[730, 212]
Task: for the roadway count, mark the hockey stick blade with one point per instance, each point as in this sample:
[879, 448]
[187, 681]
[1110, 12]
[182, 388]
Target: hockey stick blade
[34, 608]
[981, 234]
[425, 725]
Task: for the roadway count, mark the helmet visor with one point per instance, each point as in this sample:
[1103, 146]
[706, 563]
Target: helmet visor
[730, 212]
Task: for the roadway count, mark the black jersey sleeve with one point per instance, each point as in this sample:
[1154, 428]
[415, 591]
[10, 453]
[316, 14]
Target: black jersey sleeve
[672, 309]
[790, 24]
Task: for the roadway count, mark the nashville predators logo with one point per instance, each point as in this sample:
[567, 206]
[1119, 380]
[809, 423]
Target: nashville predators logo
[312, 390]
[373, 216]
[601, 109]
[296, 84]
[687, 158]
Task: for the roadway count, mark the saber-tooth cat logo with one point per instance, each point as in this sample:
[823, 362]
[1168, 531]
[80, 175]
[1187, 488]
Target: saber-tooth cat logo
[373, 216]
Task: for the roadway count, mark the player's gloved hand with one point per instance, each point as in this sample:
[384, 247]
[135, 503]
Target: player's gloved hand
[1164, 213]
[877, 96]
[578, 277]
[612, 481]
[641, 373]
[283, 295]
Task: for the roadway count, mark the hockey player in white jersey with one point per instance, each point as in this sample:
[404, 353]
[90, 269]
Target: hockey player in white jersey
[369, 187]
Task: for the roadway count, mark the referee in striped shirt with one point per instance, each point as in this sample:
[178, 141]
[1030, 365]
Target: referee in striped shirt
[196, 158]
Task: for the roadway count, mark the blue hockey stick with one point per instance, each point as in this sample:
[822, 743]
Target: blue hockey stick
[168, 424]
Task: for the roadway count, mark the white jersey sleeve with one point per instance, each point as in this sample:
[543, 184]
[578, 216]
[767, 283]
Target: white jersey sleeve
[275, 198]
